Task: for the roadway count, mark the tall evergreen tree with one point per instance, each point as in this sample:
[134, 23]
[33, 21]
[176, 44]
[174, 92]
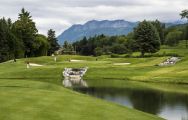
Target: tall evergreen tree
[8, 40]
[20, 38]
[4, 47]
[27, 31]
[53, 44]
[17, 43]
[147, 38]
[160, 28]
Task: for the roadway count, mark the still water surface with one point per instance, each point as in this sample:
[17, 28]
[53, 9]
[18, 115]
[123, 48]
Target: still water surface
[168, 105]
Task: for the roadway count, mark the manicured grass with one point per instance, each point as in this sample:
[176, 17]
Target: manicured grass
[37, 93]
[31, 100]
[141, 69]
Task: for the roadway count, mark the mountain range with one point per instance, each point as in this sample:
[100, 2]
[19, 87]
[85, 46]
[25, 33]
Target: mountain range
[106, 27]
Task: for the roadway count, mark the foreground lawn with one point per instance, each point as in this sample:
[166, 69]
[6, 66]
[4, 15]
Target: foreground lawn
[31, 100]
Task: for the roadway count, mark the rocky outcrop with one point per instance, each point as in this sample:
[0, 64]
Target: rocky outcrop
[170, 61]
[73, 77]
[68, 72]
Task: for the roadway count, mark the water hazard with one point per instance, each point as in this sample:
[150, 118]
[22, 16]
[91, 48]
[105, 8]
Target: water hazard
[171, 106]
[168, 105]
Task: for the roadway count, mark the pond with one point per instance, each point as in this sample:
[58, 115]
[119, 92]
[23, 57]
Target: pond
[168, 105]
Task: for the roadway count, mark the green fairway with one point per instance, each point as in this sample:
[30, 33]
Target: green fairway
[37, 93]
[28, 100]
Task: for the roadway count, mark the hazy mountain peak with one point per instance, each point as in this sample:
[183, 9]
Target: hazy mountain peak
[97, 27]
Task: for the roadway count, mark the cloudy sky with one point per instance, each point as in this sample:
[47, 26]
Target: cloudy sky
[61, 14]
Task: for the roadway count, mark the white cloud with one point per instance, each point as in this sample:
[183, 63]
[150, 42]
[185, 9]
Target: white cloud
[61, 14]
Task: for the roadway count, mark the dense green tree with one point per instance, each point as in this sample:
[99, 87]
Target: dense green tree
[186, 35]
[27, 31]
[161, 30]
[9, 42]
[20, 38]
[147, 38]
[85, 50]
[65, 45]
[118, 49]
[131, 43]
[98, 51]
[4, 47]
[83, 47]
[53, 44]
[42, 46]
[68, 48]
[173, 38]
[184, 14]
[107, 50]
[102, 44]
[17, 44]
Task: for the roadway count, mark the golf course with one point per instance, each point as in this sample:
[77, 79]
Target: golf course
[38, 93]
[94, 60]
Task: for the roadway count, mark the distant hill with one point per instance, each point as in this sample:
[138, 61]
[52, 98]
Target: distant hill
[176, 23]
[94, 27]
[106, 27]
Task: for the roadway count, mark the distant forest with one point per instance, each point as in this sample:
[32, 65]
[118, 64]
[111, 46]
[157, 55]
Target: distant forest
[146, 38]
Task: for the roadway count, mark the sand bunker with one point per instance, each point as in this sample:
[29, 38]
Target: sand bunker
[34, 64]
[122, 63]
[77, 60]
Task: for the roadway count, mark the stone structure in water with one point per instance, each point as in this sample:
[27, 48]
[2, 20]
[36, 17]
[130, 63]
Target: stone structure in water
[73, 77]
[170, 61]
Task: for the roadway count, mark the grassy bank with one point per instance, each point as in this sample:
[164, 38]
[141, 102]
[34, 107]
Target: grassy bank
[30, 100]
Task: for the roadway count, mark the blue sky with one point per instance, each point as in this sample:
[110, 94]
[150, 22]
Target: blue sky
[61, 14]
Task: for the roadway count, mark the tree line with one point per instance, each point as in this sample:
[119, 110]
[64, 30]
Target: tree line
[21, 39]
[147, 37]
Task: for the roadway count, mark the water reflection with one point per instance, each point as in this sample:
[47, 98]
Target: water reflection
[172, 106]
[74, 82]
[147, 101]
